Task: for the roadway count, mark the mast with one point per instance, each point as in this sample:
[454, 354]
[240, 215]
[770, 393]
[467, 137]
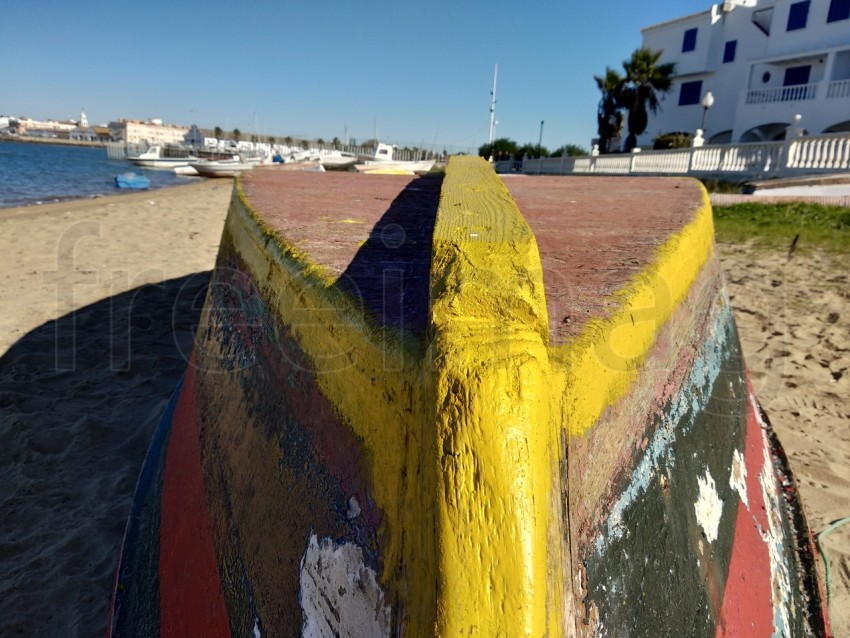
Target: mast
[493, 107]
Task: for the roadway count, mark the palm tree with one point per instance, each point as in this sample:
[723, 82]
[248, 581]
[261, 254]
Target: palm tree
[609, 114]
[237, 134]
[217, 132]
[644, 80]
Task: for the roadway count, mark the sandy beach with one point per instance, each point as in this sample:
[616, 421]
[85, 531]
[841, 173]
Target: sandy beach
[98, 304]
[793, 318]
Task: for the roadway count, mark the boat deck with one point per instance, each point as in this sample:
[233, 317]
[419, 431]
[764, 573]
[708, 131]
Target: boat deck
[593, 233]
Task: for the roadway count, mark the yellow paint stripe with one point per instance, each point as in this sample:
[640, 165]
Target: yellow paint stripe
[498, 566]
[377, 386]
[599, 366]
[466, 445]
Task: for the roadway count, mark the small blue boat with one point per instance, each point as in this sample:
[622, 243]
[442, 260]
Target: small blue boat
[132, 180]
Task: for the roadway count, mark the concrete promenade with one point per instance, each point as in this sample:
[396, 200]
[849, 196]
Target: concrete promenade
[456, 405]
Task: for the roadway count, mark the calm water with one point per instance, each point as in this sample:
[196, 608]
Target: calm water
[42, 173]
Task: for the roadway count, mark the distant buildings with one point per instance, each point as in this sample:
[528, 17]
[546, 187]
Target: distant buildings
[763, 61]
[124, 130]
[153, 132]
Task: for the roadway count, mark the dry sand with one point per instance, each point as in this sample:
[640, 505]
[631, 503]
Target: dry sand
[793, 317]
[98, 304]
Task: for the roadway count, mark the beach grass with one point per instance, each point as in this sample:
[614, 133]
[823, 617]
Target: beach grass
[777, 224]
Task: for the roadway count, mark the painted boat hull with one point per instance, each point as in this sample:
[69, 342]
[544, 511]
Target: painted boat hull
[342, 459]
[338, 160]
[163, 164]
[224, 168]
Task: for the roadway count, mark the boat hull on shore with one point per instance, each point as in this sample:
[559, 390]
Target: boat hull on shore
[221, 168]
[392, 424]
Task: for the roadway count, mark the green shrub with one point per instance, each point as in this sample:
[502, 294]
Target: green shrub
[678, 139]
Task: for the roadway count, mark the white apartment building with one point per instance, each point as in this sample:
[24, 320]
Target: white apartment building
[153, 132]
[763, 61]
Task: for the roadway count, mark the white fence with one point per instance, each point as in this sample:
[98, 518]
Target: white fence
[121, 151]
[796, 156]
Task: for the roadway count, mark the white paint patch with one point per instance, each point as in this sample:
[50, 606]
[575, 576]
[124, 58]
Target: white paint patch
[738, 477]
[709, 507]
[353, 510]
[340, 594]
[774, 536]
[257, 633]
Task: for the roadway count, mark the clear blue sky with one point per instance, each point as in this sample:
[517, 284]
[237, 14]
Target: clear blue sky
[419, 72]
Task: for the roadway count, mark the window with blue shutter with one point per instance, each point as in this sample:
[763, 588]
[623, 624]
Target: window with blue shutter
[838, 10]
[690, 93]
[689, 42]
[798, 15]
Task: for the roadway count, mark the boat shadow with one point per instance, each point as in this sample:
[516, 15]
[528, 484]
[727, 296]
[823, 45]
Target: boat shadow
[390, 273]
[79, 400]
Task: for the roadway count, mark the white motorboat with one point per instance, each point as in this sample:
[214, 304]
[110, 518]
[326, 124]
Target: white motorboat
[382, 162]
[333, 159]
[186, 171]
[153, 158]
[221, 168]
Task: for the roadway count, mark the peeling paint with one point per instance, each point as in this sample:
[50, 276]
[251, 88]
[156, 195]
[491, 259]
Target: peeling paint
[709, 507]
[340, 594]
[780, 579]
[738, 477]
[353, 510]
[677, 421]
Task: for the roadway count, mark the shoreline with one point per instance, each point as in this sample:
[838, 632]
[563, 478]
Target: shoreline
[85, 200]
[85, 250]
[50, 140]
[82, 172]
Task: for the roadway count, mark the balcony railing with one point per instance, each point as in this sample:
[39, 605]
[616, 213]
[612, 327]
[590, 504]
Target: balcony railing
[838, 88]
[795, 93]
[806, 154]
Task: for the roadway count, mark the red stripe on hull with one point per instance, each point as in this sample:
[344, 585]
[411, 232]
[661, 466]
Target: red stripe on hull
[747, 610]
[191, 598]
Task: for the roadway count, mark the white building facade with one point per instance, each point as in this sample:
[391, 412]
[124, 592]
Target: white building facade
[763, 61]
[152, 132]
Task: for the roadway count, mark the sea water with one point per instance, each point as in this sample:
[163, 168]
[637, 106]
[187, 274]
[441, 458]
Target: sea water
[38, 173]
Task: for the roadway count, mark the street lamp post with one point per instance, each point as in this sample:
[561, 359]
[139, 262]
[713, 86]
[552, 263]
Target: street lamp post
[707, 101]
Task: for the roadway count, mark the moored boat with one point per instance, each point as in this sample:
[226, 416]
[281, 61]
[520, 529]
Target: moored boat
[221, 168]
[383, 162]
[338, 160]
[133, 181]
[154, 158]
